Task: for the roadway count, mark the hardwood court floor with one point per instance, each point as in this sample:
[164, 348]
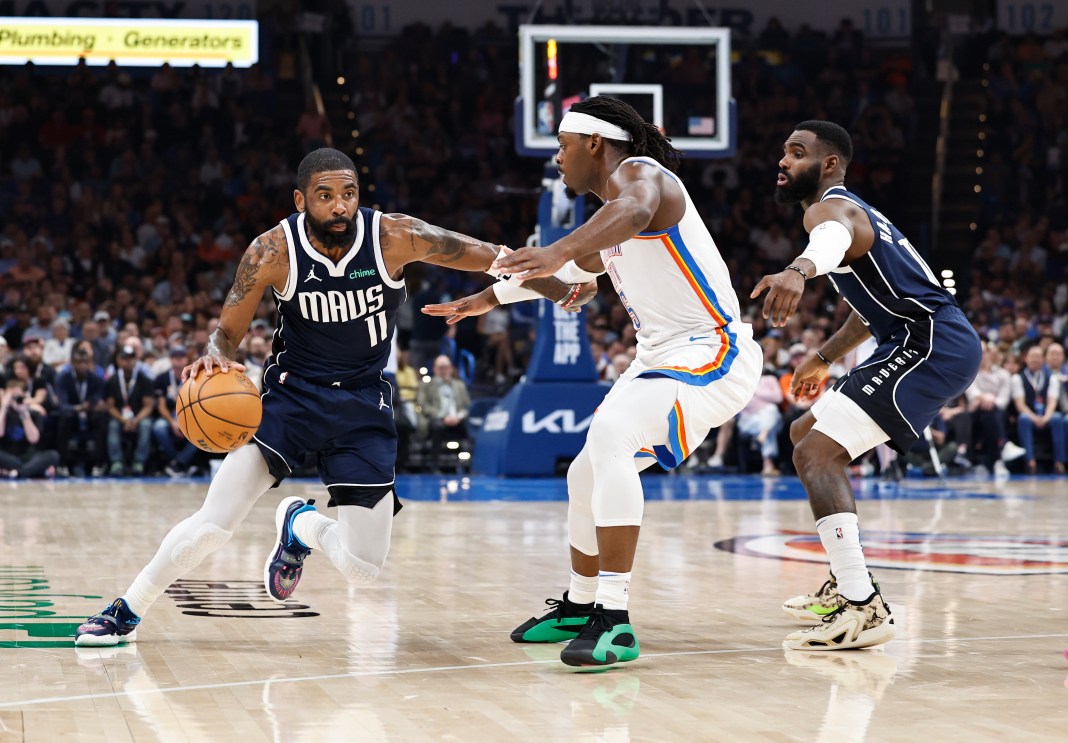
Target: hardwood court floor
[974, 571]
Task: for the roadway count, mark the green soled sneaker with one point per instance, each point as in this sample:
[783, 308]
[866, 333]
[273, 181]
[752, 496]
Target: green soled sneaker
[606, 639]
[563, 622]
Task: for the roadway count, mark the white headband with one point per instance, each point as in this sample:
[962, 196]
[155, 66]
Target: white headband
[577, 123]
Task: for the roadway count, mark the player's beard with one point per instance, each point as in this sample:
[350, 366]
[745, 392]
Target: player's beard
[327, 237]
[798, 188]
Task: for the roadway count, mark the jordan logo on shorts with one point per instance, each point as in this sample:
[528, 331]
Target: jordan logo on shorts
[311, 275]
[382, 401]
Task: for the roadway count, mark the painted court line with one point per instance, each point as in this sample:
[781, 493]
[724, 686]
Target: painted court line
[437, 669]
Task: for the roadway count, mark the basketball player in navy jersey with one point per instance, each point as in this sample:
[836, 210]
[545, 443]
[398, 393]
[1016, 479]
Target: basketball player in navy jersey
[928, 354]
[336, 273]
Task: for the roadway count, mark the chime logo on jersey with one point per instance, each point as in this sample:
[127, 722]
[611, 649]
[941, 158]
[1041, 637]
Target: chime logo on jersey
[947, 553]
[335, 306]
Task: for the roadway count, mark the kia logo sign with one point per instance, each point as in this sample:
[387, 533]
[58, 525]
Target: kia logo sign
[558, 421]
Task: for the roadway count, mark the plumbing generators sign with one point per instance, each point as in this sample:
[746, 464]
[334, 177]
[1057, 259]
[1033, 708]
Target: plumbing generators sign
[130, 42]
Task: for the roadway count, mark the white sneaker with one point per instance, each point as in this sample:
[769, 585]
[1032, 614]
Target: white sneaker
[853, 625]
[1000, 470]
[812, 607]
[715, 461]
[1011, 452]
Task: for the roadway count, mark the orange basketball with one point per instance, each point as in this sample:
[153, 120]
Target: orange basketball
[219, 413]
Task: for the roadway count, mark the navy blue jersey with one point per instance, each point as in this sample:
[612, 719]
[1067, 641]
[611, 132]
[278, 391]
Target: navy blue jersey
[336, 321]
[890, 286]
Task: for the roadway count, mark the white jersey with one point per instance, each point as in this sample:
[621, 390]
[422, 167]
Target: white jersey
[676, 288]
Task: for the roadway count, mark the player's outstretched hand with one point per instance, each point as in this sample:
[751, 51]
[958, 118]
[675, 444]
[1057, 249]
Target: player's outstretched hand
[209, 364]
[784, 294]
[529, 263]
[808, 377]
[457, 310]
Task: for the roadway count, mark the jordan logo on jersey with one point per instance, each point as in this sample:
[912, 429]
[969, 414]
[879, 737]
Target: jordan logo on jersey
[311, 275]
[382, 401]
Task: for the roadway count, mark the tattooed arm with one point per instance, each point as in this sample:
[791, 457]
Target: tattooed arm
[407, 240]
[265, 264]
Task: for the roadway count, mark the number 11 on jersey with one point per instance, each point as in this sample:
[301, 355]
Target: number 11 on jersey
[377, 327]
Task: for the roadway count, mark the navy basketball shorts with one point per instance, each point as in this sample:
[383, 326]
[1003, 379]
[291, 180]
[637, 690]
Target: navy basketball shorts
[896, 393]
[350, 431]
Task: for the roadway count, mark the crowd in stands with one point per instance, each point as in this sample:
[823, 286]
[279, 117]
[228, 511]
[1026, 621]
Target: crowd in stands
[128, 197]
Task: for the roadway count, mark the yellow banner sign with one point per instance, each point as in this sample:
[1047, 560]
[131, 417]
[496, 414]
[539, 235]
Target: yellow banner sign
[130, 42]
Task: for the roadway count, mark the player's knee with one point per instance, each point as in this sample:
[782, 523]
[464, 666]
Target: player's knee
[206, 539]
[800, 427]
[357, 570]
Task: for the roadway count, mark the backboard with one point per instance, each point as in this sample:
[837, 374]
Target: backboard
[677, 78]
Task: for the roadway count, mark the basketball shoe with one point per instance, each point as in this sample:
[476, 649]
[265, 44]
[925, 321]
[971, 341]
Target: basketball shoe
[854, 624]
[116, 624]
[606, 639]
[281, 572]
[811, 607]
[563, 622]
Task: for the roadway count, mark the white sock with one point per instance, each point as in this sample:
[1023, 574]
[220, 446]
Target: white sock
[613, 589]
[840, 534]
[310, 526]
[583, 589]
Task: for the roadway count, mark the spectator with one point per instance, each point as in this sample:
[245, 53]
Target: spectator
[37, 395]
[493, 327]
[1036, 394]
[20, 436]
[178, 454]
[56, 352]
[988, 402]
[761, 419]
[444, 403]
[404, 408]
[82, 416]
[130, 399]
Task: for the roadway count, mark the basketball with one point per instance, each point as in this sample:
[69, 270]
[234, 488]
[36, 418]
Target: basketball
[219, 413]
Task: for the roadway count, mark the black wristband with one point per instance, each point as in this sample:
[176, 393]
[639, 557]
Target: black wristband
[822, 358]
[799, 270]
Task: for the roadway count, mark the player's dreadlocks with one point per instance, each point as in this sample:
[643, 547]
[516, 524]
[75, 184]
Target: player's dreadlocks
[646, 139]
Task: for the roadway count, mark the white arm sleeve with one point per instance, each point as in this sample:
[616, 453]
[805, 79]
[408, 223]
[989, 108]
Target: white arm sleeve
[508, 292]
[827, 246]
[512, 291]
[570, 273]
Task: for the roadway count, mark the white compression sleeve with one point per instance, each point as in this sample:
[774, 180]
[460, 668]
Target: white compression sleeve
[570, 273]
[240, 482]
[509, 292]
[827, 246]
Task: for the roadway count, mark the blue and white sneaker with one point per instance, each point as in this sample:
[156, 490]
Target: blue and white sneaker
[115, 625]
[281, 573]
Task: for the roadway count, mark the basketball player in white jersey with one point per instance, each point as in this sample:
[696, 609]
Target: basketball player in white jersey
[336, 272]
[697, 364]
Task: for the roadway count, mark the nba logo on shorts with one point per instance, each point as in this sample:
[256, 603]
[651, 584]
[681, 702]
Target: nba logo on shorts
[282, 380]
[838, 532]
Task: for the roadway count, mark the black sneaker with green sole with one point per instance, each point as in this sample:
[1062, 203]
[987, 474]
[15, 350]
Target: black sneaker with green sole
[606, 639]
[563, 622]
